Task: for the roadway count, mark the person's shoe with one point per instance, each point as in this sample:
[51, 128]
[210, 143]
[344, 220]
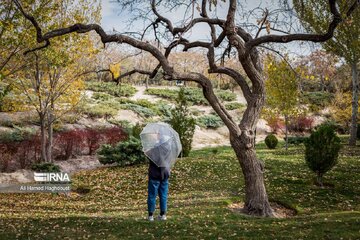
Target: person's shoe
[162, 217]
[151, 218]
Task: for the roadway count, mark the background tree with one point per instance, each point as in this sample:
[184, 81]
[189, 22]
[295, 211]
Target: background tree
[341, 109]
[52, 80]
[183, 123]
[345, 43]
[282, 91]
[320, 69]
[222, 31]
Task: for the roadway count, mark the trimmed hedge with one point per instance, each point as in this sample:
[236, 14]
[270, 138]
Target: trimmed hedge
[125, 153]
[271, 141]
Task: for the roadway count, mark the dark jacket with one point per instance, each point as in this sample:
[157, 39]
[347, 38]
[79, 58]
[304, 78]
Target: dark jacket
[158, 173]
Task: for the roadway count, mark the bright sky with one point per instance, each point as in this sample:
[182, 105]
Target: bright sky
[113, 20]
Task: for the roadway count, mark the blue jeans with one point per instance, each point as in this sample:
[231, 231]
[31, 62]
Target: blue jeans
[156, 187]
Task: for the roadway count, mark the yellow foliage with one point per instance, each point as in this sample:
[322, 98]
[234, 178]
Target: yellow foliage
[341, 108]
[115, 69]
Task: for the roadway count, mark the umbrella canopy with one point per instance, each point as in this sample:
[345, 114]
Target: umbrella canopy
[161, 144]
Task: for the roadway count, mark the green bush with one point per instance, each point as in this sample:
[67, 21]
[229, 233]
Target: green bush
[183, 123]
[136, 130]
[164, 110]
[102, 96]
[143, 112]
[125, 153]
[226, 95]
[271, 141]
[164, 93]
[111, 88]
[45, 167]
[210, 121]
[322, 150]
[234, 105]
[18, 135]
[144, 103]
[296, 140]
[193, 95]
[99, 111]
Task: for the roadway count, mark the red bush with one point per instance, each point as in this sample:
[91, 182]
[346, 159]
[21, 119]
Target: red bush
[5, 158]
[14, 155]
[21, 154]
[301, 124]
[69, 143]
[93, 139]
[275, 124]
[28, 151]
[114, 135]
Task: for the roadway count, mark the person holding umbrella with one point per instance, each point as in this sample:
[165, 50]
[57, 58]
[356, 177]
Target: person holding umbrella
[161, 144]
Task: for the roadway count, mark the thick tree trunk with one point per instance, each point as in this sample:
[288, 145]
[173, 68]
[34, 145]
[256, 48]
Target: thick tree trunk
[256, 199]
[355, 104]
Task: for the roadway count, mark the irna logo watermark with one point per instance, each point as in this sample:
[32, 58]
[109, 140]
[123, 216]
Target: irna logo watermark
[51, 177]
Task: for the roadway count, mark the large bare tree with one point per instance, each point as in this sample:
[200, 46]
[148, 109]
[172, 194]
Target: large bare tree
[222, 31]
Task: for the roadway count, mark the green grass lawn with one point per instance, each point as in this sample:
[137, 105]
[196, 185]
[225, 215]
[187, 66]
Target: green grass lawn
[201, 189]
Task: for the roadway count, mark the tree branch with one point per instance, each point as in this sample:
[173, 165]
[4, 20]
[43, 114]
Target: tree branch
[303, 37]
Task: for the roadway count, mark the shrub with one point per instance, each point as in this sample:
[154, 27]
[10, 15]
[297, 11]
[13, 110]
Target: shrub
[234, 105]
[69, 143]
[93, 139]
[19, 149]
[136, 130]
[183, 123]
[18, 135]
[111, 88]
[144, 103]
[114, 135]
[143, 112]
[296, 140]
[99, 111]
[102, 96]
[322, 150]
[210, 121]
[275, 123]
[193, 95]
[164, 110]
[226, 95]
[300, 124]
[125, 153]
[45, 167]
[164, 93]
[271, 141]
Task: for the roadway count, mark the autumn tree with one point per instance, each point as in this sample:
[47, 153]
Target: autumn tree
[319, 70]
[282, 90]
[12, 38]
[52, 79]
[345, 42]
[226, 31]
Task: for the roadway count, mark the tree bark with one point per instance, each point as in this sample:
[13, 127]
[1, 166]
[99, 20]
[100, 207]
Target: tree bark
[43, 138]
[355, 103]
[286, 132]
[50, 132]
[256, 198]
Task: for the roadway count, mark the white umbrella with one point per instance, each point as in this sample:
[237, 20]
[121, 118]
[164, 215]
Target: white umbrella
[161, 144]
